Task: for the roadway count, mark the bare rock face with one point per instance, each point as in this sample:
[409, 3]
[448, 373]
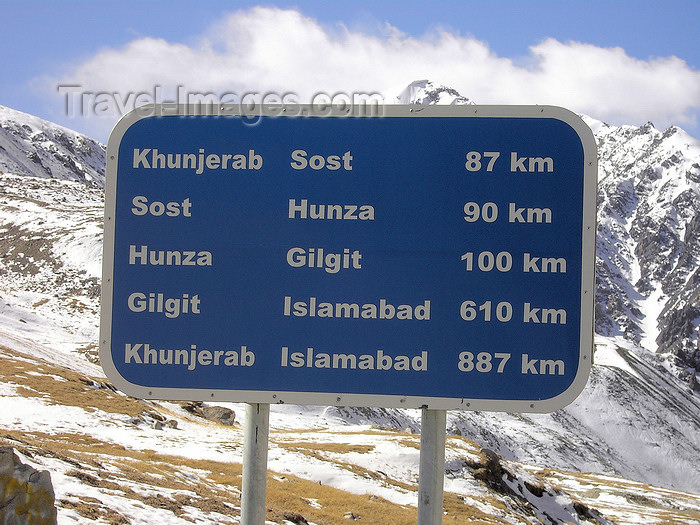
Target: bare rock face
[26, 494]
[648, 244]
[38, 148]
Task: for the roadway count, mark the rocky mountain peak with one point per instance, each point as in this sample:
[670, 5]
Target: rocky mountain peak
[427, 92]
[32, 146]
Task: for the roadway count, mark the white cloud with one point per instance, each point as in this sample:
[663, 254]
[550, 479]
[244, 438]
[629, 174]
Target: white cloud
[273, 50]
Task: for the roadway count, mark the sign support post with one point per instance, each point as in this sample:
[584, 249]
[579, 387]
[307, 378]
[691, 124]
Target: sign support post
[255, 445]
[431, 477]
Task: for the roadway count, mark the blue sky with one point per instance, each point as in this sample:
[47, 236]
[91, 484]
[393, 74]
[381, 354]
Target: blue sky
[619, 61]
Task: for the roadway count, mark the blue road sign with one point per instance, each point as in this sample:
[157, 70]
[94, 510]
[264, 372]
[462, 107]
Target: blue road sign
[412, 256]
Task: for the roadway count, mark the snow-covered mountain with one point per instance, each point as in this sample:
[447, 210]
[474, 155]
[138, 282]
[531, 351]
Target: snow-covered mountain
[32, 146]
[425, 92]
[648, 272]
[638, 418]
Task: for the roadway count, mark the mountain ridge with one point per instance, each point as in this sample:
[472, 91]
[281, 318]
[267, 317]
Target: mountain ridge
[32, 146]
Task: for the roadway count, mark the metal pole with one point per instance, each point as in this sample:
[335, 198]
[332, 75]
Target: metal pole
[431, 477]
[254, 485]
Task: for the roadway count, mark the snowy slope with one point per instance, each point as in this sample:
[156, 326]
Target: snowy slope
[50, 261]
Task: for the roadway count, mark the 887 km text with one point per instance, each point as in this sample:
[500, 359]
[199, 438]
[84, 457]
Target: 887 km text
[486, 362]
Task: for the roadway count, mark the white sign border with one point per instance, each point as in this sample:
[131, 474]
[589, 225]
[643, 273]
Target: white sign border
[588, 236]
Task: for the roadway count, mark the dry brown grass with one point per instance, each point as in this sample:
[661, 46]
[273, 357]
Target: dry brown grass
[335, 448]
[93, 509]
[62, 386]
[291, 494]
